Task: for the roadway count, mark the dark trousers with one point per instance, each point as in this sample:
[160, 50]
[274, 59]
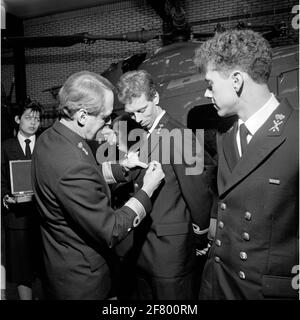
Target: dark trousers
[139, 285]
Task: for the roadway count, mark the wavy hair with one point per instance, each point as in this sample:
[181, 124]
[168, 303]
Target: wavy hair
[133, 84]
[245, 49]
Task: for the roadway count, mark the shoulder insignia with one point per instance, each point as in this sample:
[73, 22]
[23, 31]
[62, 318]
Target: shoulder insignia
[277, 122]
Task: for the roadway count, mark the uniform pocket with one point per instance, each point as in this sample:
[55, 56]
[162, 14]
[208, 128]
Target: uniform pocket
[96, 261]
[172, 229]
[278, 287]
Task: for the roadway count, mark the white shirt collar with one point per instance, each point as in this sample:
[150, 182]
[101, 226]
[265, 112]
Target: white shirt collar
[257, 120]
[22, 139]
[155, 123]
[261, 115]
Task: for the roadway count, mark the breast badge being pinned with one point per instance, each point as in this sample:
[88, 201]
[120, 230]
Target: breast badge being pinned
[80, 146]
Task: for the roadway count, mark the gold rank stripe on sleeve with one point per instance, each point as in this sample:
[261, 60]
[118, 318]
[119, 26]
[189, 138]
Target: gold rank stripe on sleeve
[107, 172]
[138, 208]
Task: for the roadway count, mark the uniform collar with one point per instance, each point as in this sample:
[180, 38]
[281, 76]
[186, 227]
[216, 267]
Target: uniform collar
[261, 115]
[72, 136]
[156, 122]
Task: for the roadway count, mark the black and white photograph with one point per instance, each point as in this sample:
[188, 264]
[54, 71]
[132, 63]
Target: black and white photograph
[149, 155]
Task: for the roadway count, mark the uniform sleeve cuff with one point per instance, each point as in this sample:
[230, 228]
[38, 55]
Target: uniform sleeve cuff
[113, 172]
[107, 172]
[140, 204]
[118, 172]
[143, 197]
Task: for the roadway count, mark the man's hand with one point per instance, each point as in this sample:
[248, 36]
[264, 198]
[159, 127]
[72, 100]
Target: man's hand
[132, 160]
[153, 177]
[7, 200]
[108, 135]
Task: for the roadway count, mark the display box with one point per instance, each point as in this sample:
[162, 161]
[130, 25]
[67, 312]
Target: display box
[20, 180]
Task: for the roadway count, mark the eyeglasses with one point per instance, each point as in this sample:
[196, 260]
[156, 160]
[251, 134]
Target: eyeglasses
[107, 120]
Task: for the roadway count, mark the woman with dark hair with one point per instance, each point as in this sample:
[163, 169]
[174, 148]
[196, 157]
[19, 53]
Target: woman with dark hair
[22, 238]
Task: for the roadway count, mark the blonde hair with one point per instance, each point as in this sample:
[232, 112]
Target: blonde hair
[133, 84]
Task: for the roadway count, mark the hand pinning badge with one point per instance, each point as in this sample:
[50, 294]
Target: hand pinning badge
[277, 122]
[80, 146]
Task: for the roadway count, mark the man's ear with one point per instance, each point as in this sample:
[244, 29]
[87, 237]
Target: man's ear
[81, 117]
[237, 82]
[156, 98]
[17, 119]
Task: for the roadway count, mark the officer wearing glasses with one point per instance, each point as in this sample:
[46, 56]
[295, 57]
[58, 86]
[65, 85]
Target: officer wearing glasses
[78, 224]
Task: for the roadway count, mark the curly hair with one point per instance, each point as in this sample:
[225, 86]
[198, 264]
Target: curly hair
[245, 49]
[83, 90]
[133, 84]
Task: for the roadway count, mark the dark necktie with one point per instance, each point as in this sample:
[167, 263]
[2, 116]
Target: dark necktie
[243, 137]
[27, 149]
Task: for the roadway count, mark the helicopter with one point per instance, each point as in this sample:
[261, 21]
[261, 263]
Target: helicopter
[180, 86]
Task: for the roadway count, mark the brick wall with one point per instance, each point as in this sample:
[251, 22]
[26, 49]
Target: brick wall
[51, 66]
[47, 67]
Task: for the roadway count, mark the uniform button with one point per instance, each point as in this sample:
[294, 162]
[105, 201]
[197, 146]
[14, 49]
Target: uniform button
[242, 275]
[243, 255]
[246, 236]
[248, 215]
[217, 259]
[223, 206]
[218, 243]
[221, 224]
[129, 229]
[136, 185]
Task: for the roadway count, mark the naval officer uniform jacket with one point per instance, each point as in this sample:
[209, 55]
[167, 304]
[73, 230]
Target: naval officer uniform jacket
[78, 225]
[164, 245]
[256, 243]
